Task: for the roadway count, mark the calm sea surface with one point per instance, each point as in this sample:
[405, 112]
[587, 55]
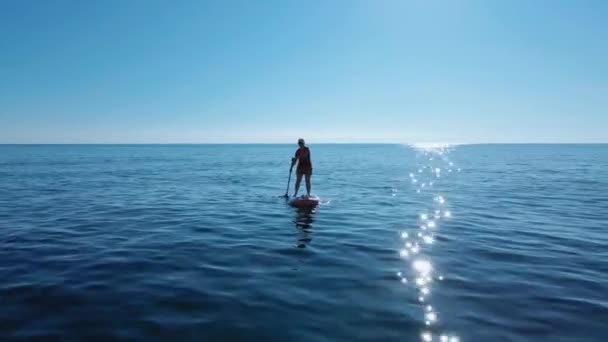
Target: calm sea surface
[195, 243]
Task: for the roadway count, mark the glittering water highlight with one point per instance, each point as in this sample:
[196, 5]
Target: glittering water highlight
[432, 159]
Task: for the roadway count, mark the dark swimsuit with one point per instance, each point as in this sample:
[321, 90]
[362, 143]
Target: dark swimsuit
[304, 164]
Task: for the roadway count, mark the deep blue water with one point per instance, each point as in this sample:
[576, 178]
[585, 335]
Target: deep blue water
[194, 243]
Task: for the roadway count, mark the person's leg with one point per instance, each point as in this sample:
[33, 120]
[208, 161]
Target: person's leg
[308, 186]
[298, 180]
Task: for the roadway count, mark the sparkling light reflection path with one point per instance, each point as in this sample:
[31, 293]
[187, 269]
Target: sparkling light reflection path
[436, 167]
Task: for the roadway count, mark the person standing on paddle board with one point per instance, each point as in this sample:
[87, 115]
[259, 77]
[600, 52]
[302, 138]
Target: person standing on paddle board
[302, 157]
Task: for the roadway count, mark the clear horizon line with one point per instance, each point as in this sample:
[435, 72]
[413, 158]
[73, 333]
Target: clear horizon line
[313, 143]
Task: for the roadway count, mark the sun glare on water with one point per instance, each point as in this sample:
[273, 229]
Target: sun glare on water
[434, 169]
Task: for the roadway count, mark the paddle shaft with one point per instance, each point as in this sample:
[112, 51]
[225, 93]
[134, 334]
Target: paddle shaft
[288, 181]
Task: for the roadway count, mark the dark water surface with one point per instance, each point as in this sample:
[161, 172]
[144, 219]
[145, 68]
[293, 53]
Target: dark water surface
[194, 243]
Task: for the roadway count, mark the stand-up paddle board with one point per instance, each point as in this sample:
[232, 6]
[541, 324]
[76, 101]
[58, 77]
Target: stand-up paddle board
[304, 201]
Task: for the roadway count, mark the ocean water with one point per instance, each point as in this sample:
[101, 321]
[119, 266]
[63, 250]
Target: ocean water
[410, 243]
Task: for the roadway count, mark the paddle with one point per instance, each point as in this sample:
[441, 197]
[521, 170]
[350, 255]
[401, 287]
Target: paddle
[288, 180]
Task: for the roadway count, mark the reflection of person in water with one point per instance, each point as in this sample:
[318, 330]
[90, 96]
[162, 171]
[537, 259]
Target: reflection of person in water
[303, 220]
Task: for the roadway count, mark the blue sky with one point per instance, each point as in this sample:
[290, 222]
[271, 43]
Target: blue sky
[145, 71]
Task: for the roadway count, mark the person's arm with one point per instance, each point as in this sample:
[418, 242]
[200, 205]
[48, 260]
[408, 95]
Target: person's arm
[295, 158]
